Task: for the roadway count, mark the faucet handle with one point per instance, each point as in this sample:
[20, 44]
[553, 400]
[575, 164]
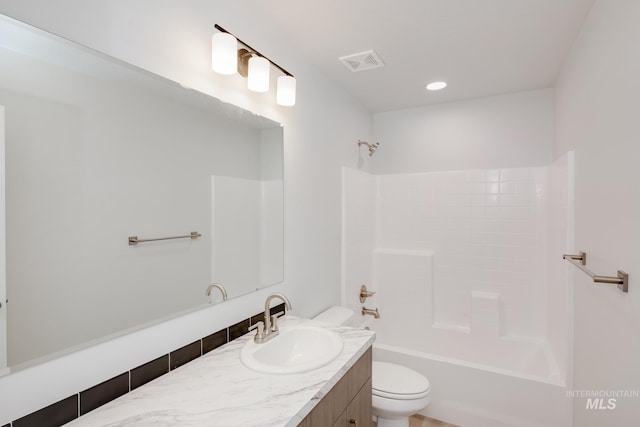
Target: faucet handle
[364, 293]
[274, 321]
[260, 334]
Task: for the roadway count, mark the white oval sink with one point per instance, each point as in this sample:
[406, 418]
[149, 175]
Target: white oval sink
[296, 349]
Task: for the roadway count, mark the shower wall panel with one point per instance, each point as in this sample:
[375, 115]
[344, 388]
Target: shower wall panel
[487, 230]
[358, 235]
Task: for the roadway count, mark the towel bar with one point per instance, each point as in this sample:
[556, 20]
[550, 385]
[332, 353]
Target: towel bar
[133, 240]
[580, 260]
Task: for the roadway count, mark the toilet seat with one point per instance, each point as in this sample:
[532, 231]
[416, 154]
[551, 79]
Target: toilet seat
[397, 382]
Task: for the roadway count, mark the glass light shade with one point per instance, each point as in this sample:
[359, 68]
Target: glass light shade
[224, 53]
[258, 77]
[286, 93]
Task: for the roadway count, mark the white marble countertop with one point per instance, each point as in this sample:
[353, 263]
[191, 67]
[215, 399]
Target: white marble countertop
[218, 390]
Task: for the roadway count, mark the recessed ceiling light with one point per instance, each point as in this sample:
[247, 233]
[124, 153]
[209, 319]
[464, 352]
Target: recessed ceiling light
[436, 85]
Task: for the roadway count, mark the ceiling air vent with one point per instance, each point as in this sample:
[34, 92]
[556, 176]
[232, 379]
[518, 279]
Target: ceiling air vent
[362, 61]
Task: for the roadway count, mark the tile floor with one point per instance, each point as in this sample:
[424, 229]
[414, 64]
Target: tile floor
[420, 421]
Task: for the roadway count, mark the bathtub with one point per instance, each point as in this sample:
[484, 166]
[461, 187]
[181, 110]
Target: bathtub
[484, 368]
[477, 382]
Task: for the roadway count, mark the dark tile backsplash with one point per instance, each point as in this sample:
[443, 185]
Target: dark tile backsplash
[185, 354]
[70, 408]
[102, 393]
[239, 329]
[214, 341]
[149, 371]
[256, 318]
[55, 415]
[259, 317]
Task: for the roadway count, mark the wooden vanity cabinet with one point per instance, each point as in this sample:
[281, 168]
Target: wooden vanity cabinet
[348, 403]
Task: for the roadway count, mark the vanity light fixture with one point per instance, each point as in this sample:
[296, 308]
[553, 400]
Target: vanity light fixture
[227, 59]
[436, 85]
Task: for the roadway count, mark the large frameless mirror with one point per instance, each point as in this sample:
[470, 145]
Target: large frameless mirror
[98, 151]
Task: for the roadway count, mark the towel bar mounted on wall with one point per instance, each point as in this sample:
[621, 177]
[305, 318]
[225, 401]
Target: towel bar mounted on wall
[133, 240]
[580, 260]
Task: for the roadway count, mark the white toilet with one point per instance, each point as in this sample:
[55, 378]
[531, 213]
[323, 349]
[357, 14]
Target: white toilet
[398, 392]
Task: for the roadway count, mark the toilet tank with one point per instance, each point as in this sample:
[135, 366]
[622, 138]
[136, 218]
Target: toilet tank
[336, 315]
[344, 316]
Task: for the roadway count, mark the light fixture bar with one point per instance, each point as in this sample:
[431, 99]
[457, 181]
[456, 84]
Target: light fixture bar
[219, 28]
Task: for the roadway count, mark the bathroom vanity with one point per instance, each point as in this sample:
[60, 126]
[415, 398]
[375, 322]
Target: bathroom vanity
[218, 390]
[348, 403]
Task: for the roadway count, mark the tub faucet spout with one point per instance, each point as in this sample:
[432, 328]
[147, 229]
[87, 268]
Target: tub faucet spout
[371, 312]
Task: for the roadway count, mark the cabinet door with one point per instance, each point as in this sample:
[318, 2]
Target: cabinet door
[354, 389]
[342, 420]
[359, 410]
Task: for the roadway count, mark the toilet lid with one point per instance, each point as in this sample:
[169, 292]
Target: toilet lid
[397, 382]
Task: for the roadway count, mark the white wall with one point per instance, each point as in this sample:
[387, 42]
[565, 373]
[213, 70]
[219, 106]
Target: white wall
[506, 131]
[320, 135]
[597, 115]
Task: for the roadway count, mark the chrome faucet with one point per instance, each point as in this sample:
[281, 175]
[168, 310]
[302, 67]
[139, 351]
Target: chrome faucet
[269, 329]
[223, 291]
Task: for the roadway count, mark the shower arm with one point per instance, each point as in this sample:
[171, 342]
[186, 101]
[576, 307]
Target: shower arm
[372, 147]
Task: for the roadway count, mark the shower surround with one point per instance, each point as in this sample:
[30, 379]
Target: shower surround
[468, 286]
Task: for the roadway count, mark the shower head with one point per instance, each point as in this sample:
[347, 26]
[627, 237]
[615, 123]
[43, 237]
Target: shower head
[372, 147]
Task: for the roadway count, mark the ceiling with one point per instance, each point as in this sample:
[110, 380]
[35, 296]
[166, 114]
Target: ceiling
[479, 47]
